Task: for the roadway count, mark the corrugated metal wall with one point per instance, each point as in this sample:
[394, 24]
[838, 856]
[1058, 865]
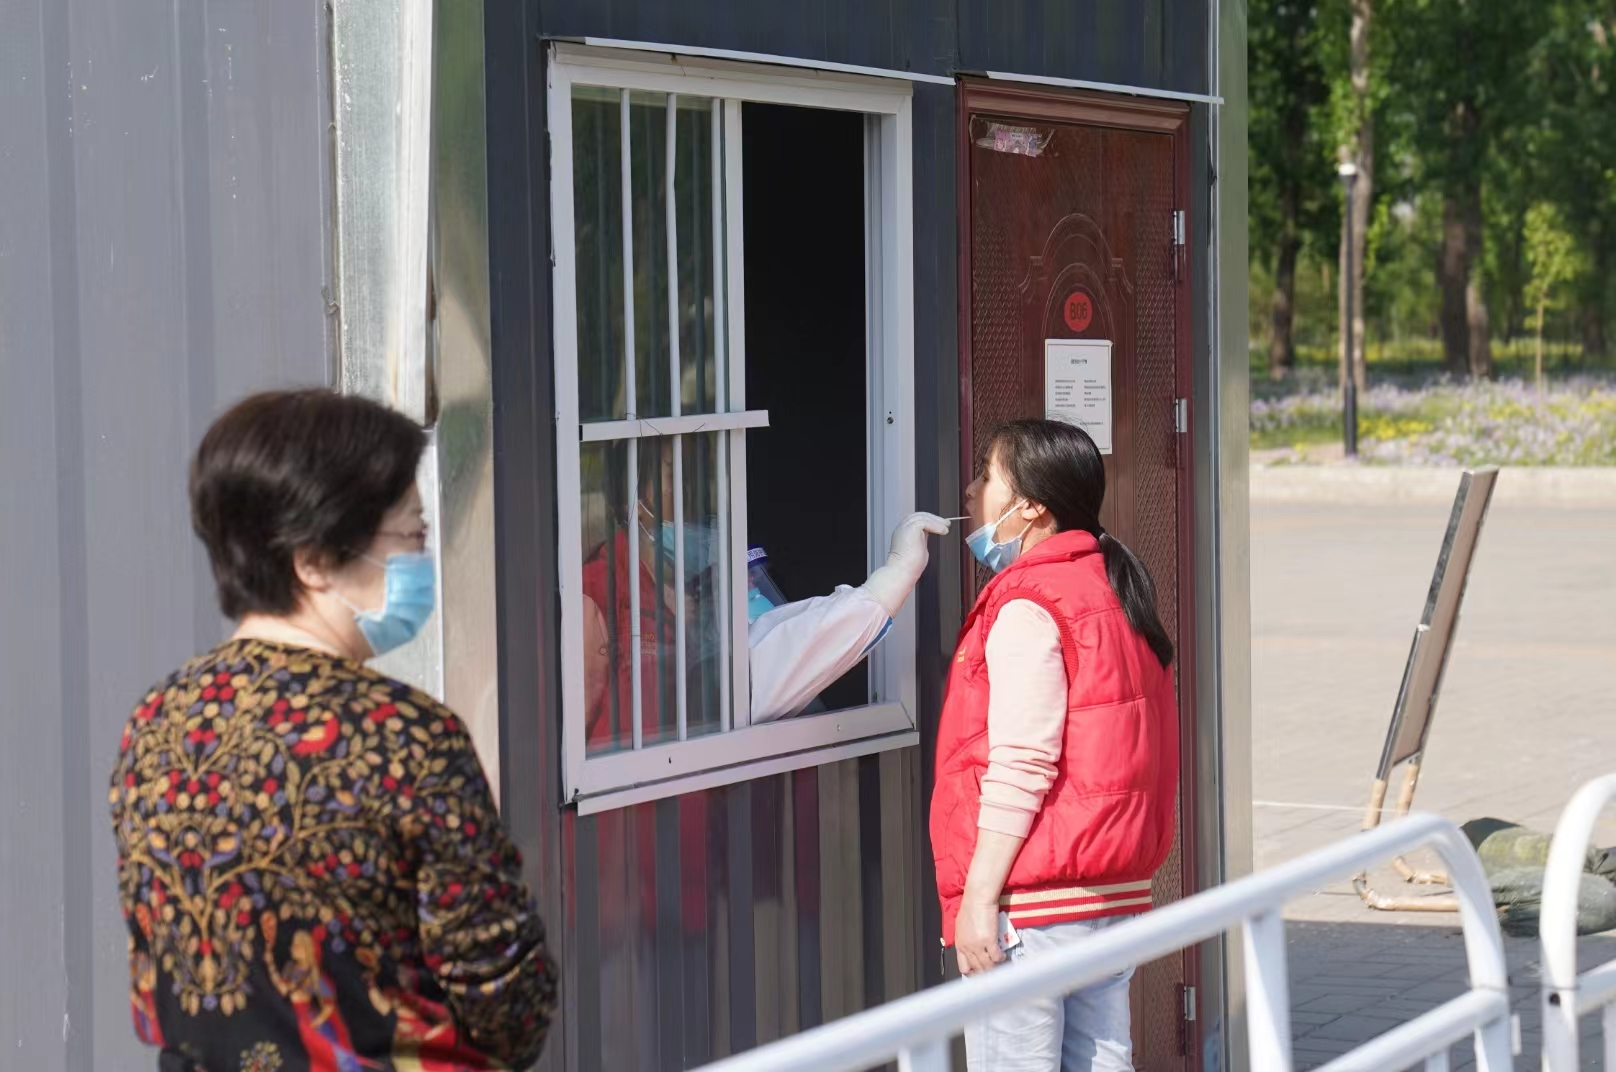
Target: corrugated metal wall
[713, 922]
[163, 246]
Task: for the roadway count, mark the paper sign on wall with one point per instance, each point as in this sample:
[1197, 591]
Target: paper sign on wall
[1077, 386]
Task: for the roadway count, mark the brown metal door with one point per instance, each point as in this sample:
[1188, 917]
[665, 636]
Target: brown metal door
[1070, 204]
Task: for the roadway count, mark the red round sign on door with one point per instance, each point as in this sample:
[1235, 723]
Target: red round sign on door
[1079, 310]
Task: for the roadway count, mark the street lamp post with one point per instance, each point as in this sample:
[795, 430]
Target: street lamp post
[1349, 388]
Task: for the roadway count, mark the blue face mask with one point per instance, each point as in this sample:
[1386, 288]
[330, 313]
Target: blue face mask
[700, 542]
[996, 556]
[412, 581]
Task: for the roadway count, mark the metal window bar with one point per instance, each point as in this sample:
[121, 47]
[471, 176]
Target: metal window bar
[735, 280]
[877, 494]
[631, 411]
[914, 1030]
[728, 624]
[614, 645]
[676, 393]
[1568, 996]
[687, 424]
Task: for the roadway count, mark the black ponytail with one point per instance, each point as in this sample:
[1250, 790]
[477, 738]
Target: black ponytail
[1136, 589]
[1058, 466]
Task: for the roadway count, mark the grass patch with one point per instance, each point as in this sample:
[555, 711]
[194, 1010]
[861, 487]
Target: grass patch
[1419, 360]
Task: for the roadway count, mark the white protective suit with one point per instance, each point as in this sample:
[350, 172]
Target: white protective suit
[799, 649]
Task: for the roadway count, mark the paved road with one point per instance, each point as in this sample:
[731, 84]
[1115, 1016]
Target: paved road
[1527, 713]
[1528, 709]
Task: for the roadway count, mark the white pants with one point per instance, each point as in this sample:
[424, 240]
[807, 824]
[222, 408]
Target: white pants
[1085, 1031]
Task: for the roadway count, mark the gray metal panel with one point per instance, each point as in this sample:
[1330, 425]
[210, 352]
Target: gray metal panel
[938, 483]
[1210, 998]
[525, 527]
[1224, 456]
[40, 525]
[162, 249]
[1157, 44]
[710, 923]
[893, 34]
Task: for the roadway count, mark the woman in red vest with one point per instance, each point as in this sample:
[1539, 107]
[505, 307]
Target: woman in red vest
[1057, 751]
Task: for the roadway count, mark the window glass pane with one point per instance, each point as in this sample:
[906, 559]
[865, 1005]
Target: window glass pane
[597, 197]
[648, 161]
[706, 532]
[694, 187]
[659, 592]
[598, 228]
[608, 708]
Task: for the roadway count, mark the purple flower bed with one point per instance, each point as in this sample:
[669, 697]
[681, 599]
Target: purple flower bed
[1443, 423]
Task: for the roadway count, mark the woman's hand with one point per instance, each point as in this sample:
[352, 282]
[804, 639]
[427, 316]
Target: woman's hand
[976, 927]
[976, 936]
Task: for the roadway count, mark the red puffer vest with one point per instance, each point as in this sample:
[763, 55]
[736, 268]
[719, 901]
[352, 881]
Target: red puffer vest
[1107, 820]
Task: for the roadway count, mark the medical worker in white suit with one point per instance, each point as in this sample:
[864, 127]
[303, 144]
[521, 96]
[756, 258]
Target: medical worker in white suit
[800, 648]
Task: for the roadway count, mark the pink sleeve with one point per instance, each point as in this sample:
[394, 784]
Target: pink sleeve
[1026, 716]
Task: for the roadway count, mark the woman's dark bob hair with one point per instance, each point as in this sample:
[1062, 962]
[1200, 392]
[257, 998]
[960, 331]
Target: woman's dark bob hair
[1058, 466]
[285, 471]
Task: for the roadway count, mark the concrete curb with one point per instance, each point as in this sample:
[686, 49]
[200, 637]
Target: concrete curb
[1371, 485]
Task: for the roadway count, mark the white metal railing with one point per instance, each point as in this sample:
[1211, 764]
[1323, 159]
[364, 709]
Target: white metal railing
[1567, 996]
[916, 1030]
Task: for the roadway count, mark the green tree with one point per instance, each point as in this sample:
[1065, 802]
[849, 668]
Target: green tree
[1459, 70]
[1554, 259]
[1576, 63]
[1511, 188]
[1290, 174]
[1356, 110]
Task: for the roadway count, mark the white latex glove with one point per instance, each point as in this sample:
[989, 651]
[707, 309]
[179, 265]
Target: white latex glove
[891, 584]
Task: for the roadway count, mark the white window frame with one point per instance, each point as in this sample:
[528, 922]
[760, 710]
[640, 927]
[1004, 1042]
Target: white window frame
[741, 751]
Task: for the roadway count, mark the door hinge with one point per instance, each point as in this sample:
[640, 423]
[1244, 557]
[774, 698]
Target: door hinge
[1179, 241]
[1181, 428]
[1186, 1027]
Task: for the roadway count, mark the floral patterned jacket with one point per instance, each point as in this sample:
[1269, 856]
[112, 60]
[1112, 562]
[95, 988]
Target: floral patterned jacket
[315, 877]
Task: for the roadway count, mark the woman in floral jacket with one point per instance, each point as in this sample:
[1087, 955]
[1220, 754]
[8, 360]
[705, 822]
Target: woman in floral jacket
[310, 861]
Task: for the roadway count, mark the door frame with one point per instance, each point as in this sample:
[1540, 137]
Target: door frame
[978, 97]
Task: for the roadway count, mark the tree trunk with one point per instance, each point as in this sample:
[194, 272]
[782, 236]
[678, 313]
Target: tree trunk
[1360, 150]
[1477, 320]
[1595, 341]
[1453, 272]
[1541, 308]
[1281, 343]
[1516, 303]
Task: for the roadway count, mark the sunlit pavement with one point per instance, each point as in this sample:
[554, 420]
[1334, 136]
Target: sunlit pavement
[1527, 713]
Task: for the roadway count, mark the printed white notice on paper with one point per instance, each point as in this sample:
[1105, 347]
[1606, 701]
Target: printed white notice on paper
[1077, 386]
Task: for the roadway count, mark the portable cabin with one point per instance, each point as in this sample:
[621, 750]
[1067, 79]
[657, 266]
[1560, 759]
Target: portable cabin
[767, 271]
